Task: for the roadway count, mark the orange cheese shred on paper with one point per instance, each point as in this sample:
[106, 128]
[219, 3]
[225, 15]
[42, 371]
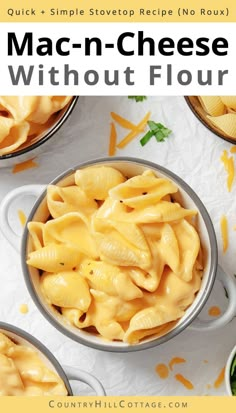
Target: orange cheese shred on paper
[214, 311]
[135, 132]
[125, 123]
[162, 371]
[229, 168]
[233, 149]
[22, 217]
[186, 383]
[112, 141]
[176, 360]
[220, 379]
[20, 167]
[224, 232]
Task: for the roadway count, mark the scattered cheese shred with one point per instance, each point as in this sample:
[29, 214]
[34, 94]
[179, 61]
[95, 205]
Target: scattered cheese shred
[126, 124]
[233, 149]
[229, 168]
[220, 378]
[162, 371]
[112, 142]
[135, 132]
[24, 165]
[23, 308]
[176, 360]
[214, 311]
[186, 383]
[224, 232]
[22, 217]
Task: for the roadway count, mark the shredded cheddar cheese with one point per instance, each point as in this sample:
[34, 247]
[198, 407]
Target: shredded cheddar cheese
[126, 124]
[229, 168]
[233, 149]
[176, 360]
[24, 165]
[135, 132]
[214, 311]
[186, 383]
[113, 137]
[224, 232]
[22, 217]
[162, 371]
[220, 378]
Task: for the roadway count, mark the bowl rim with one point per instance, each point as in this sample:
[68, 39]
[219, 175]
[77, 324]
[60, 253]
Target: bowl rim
[51, 131]
[213, 256]
[229, 362]
[204, 123]
[41, 348]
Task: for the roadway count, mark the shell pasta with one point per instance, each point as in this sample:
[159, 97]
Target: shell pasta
[221, 113]
[118, 256]
[24, 373]
[24, 118]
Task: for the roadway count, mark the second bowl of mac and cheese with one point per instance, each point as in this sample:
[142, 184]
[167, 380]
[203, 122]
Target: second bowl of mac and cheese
[28, 368]
[28, 122]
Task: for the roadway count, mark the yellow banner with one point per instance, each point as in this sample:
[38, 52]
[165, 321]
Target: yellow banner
[117, 404]
[117, 11]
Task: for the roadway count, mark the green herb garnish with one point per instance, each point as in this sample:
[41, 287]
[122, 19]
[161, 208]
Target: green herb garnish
[156, 129]
[62, 263]
[233, 376]
[138, 98]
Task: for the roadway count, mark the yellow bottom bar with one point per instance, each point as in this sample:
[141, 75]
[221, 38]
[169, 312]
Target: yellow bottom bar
[117, 404]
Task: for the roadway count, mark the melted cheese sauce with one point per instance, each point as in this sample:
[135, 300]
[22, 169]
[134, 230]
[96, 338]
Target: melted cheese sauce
[126, 265]
[214, 311]
[24, 309]
[23, 373]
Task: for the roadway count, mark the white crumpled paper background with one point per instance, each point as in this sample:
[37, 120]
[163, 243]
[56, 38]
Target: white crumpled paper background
[193, 153]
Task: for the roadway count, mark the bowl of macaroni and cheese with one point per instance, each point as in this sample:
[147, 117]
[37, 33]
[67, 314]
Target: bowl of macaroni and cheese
[217, 113]
[28, 122]
[28, 368]
[119, 254]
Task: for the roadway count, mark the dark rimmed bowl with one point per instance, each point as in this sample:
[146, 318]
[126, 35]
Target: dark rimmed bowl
[66, 373]
[196, 108]
[229, 364]
[38, 146]
[186, 196]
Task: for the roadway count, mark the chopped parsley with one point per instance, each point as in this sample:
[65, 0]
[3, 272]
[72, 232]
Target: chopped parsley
[156, 129]
[138, 98]
[62, 263]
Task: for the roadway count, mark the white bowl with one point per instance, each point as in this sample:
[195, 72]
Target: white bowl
[227, 371]
[185, 196]
[66, 373]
